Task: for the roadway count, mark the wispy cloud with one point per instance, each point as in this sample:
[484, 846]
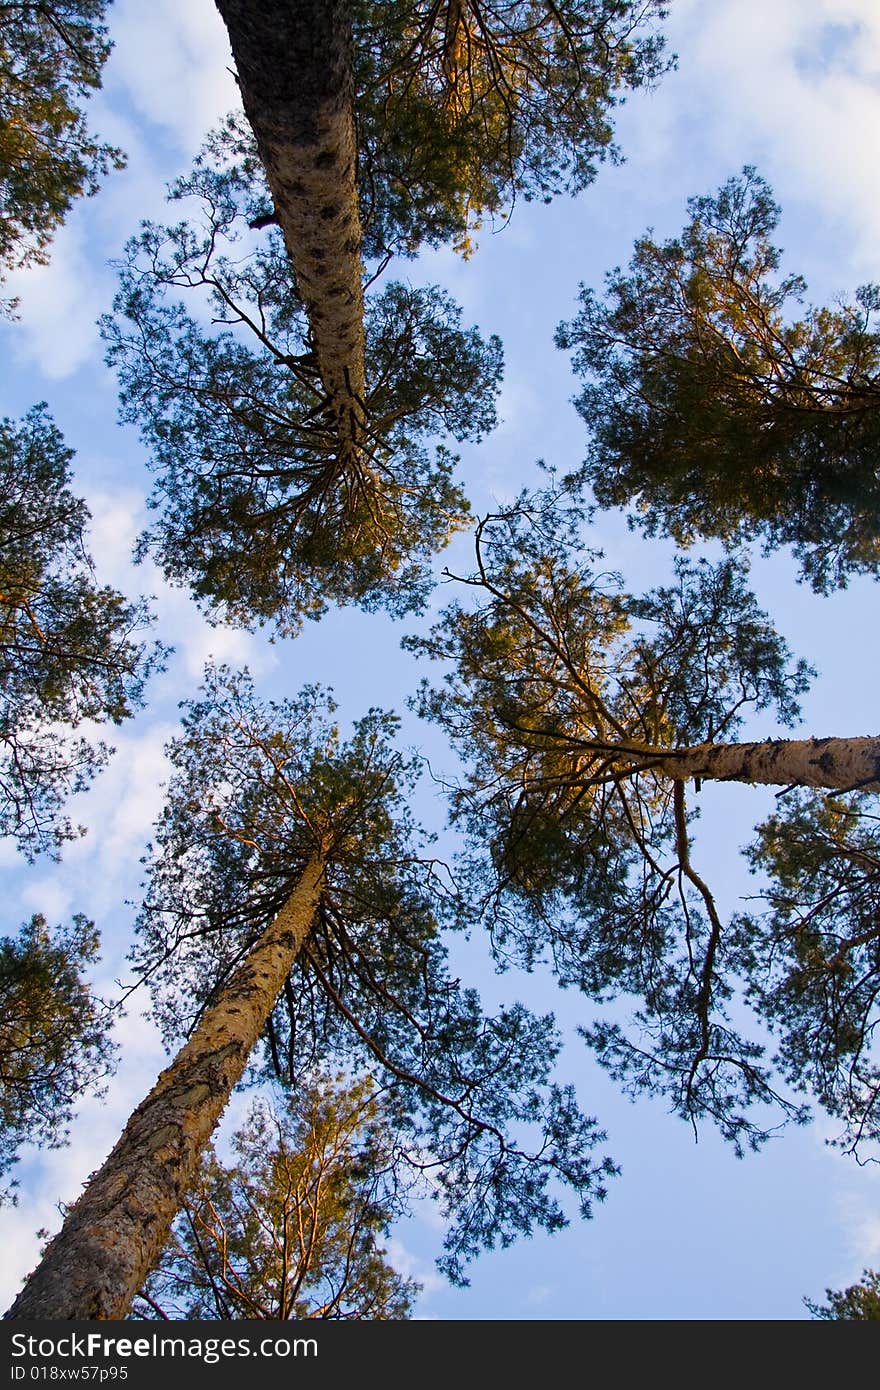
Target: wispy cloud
[793, 88]
[173, 63]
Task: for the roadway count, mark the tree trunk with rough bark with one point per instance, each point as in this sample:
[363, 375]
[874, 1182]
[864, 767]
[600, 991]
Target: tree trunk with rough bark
[454, 51]
[295, 72]
[116, 1231]
[836, 764]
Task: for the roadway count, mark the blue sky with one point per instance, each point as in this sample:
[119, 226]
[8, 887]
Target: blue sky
[792, 87]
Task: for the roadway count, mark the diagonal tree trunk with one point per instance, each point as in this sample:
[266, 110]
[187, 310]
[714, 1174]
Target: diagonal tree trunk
[836, 764]
[294, 63]
[116, 1231]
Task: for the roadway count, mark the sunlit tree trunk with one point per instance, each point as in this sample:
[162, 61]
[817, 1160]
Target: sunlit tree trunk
[116, 1231]
[294, 63]
[454, 52]
[836, 764]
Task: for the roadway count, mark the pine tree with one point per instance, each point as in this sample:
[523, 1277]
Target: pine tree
[412, 122]
[582, 715]
[260, 511]
[719, 413]
[54, 1034]
[858, 1303]
[291, 1226]
[296, 77]
[811, 953]
[69, 648]
[51, 56]
[286, 870]
[463, 108]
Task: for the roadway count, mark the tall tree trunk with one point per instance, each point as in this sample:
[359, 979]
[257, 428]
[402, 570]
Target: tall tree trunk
[454, 51]
[837, 764]
[294, 62]
[115, 1232]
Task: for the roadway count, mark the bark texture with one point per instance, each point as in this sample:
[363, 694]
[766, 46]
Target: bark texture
[836, 764]
[294, 63]
[117, 1229]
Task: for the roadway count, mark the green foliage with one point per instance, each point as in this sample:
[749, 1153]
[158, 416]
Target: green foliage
[68, 648]
[292, 1227]
[462, 107]
[561, 686]
[716, 411]
[859, 1303]
[812, 958]
[258, 791]
[54, 1033]
[51, 56]
[259, 511]
[563, 693]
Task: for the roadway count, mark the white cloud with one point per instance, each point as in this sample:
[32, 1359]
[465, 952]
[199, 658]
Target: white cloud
[116, 521]
[48, 896]
[540, 1295]
[858, 1203]
[195, 640]
[58, 305]
[172, 62]
[120, 809]
[171, 65]
[9, 854]
[411, 1266]
[793, 88]
[224, 644]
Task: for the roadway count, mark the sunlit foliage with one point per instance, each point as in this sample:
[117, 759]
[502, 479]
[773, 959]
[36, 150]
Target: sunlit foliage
[292, 1226]
[721, 410]
[462, 106]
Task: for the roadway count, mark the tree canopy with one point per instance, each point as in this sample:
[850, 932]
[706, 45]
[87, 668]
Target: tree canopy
[256, 785]
[858, 1303]
[581, 713]
[70, 649]
[51, 56]
[812, 956]
[716, 411]
[300, 415]
[463, 106]
[54, 1033]
[287, 895]
[260, 510]
[291, 1226]
[411, 122]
